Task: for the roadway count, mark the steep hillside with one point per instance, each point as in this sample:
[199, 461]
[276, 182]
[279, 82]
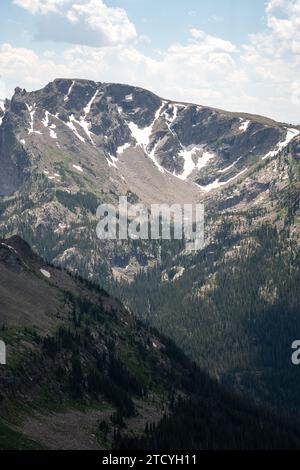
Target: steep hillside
[75, 351]
[83, 373]
[233, 306]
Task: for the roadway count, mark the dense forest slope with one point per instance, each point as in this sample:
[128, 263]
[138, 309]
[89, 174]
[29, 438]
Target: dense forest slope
[234, 306]
[77, 356]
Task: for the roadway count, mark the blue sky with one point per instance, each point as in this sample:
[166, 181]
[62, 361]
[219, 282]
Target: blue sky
[241, 55]
[230, 19]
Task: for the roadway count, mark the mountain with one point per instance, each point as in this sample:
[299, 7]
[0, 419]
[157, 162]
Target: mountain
[116, 126]
[83, 373]
[76, 143]
[233, 306]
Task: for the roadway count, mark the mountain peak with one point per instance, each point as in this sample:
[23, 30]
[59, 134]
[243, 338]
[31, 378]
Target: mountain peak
[119, 125]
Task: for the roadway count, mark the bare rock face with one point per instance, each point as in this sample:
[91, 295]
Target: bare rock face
[14, 161]
[68, 147]
[189, 142]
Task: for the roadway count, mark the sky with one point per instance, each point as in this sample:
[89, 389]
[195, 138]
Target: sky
[239, 55]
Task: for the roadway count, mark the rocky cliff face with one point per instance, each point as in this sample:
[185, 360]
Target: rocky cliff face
[76, 143]
[98, 123]
[14, 161]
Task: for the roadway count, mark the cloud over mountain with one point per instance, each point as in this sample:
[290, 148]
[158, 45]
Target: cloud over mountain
[90, 22]
[259, 75]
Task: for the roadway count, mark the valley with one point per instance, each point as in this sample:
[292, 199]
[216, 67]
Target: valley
[232, 307]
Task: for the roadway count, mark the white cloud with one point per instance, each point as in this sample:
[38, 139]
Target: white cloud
[283, 34]
[87, 22]
[212, 43]
[259, 77]
[24, 67]
[40, 6]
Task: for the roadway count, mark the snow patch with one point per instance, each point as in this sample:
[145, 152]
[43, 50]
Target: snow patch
[188, 155]
[217, 183]
[82, 121]
[244, 126]
[122, 148]
[45, 121]
[291, 134]
[179, 274]
[78, 168]
[53, 134]
[45, 273]
[205, 159]
[70, 124]
[171, 119]
[189, 164]
[61, 228]
[142, 135]
[224, 170]
[2, 107]
[153, 158]
[87, 109]
[22, 141]
[86, 127]
[51, 177]
[31, 110]
[66, 98]
[129, 97]
[111, 163]
[10, 248]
